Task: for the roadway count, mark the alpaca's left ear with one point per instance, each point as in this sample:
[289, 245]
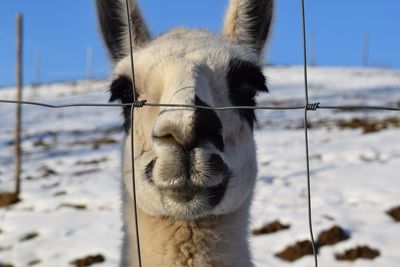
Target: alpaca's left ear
[249, 22]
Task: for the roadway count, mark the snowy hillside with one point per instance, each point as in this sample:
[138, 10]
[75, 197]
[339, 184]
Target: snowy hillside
[70, 191]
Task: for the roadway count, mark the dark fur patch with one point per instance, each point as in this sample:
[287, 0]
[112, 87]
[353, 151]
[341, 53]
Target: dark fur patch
[207, 127]
[121, 90]
[216, 164]
[112, 26]
[245, 80]
[217, 193]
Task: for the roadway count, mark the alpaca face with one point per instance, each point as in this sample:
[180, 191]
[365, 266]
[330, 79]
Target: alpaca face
[189, 163]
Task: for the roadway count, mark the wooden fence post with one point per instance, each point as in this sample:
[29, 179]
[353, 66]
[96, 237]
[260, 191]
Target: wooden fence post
[17, 137]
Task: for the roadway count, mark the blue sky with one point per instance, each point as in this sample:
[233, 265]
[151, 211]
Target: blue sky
[61, 30]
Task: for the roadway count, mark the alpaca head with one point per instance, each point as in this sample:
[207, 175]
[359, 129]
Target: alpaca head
[190, 163]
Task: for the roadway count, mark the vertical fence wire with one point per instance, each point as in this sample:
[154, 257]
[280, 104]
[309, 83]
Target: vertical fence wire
[303, 15]
[132, 139]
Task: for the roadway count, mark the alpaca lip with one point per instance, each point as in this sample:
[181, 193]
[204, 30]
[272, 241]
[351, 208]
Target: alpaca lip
[189, 193]
[181, 195]
[195, 177]
[196, 191]
[210, 196]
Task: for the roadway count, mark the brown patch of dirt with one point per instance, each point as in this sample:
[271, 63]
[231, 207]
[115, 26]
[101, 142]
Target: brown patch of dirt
[329, 217]
[91, 162]
[272, 227]
[370, 125]
[111, 130]
[51, 186]
[360, 252]
[84, 172]
[8, 199]
[6, 265]
[73, 206]
[367, 125]
[97, 143]
[89, 260]
[6, 248]
[29, 236]
[47, 171]
[394, 213]
[41, 143]
[60, 193]
[296, 251]
[332, 236]
[34, 262]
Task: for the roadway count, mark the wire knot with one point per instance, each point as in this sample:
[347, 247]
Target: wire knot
[139, 104]
[313, 106]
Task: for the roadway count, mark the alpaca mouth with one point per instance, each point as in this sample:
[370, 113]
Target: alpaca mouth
[206, 196]
[188, 195]
[190, 202]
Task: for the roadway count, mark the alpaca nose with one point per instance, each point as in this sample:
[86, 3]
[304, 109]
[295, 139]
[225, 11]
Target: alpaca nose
[189, 129]
[172, 135]
[174, 132]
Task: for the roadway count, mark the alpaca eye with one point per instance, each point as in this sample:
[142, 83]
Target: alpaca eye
[245, 80]
[121, 90]
[245, 90]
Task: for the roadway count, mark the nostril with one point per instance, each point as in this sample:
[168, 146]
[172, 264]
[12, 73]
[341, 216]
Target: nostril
[166, 139]
[168, 131]
[164, 136]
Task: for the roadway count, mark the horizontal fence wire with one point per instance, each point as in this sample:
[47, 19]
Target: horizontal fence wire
[140, 104]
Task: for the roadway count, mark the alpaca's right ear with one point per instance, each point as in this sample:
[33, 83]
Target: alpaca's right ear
[113, 22]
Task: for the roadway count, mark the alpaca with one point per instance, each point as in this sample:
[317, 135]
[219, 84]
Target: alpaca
[195, 169]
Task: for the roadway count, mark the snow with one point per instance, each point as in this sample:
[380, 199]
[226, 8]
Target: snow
[354, 176]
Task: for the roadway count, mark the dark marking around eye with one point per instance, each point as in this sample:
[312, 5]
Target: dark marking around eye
[245, 80]
[121, 90]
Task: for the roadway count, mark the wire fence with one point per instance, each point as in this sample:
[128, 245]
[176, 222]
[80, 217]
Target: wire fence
[141, 104]
[136, 104]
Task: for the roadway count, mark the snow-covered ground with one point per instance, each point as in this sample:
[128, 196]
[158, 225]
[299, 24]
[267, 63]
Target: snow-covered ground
[70, 191]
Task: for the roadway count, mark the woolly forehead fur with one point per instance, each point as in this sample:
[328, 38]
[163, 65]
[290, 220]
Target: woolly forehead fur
[197, 46]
